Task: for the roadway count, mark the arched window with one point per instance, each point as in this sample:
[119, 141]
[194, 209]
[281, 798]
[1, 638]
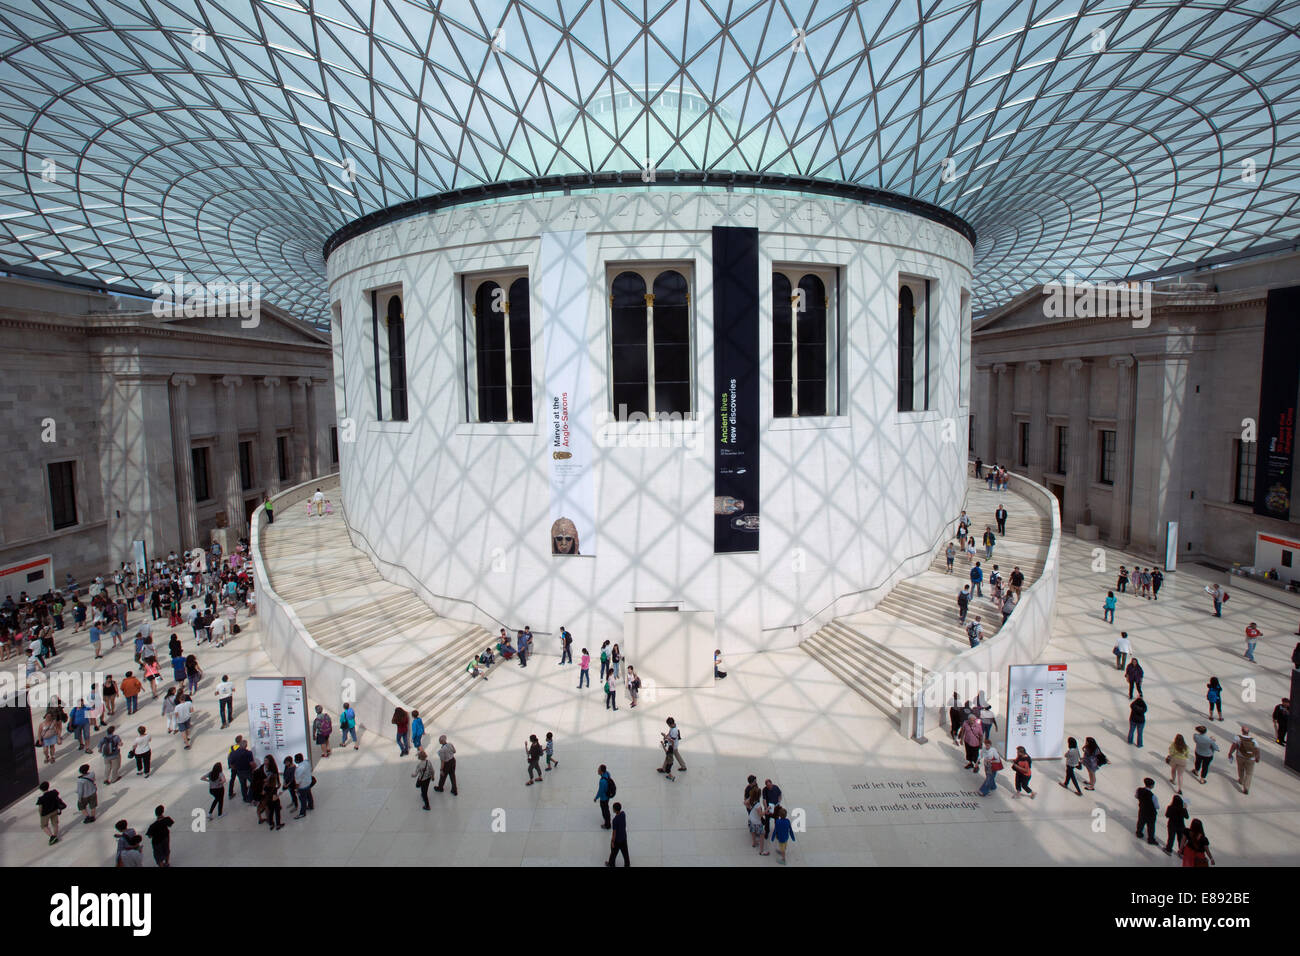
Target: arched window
[650, 343]
[803, 343]
[502, 372]
[906, 348]
[396, 358]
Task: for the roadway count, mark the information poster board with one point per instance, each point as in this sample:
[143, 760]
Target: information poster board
[1035, 712]
[278, 720]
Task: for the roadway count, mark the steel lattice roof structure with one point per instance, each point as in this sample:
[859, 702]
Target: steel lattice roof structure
[228, 140]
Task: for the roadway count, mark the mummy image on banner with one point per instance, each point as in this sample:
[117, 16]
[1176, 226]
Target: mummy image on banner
[569, 419]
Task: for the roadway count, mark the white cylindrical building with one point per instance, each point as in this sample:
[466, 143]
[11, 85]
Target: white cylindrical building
[675, 418]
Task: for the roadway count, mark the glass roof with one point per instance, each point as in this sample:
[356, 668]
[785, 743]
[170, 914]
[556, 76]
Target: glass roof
[225, 141]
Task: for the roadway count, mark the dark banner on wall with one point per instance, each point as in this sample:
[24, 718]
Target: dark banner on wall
[1279, 379]
[18, 774]
[736, 388]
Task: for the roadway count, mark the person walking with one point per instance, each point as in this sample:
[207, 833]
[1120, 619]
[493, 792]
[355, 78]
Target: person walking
[566, 647]
[417, 729]
[584, 669]
[1219, 596]
[110, 748]
[87, 793]
[971, 736]
[79, 724]
[184, 715]
[1252, 638]
[226, 701]
[963, 604]
[269, 507]
[533, 754]
[603, 793]
[169, 709]
[551, 762]
[447, 764]
[1133, 674]
[1175, 827]
[1123, 647]
[306, 784]
[1148, 810]
[1196, 848]
[142, 750]
[757, 829]
[1017, 581]
[322, 727]
[1092, 759]
[976, 580]
[348, 725]
[782, 833]
[290, 776]
[1205, 748]
[616, 662]
[160, 836]
[131, 688]
[216, 781]
[402, 721]
[1281, 720]
[949, 554]
[975, 631]
[50, 805]
[1157, 579]
[633, 685]
[609, 690]
[1246, 750]
[1214, 694]
[1073, 760]
[1137, 718]
[989, 540]
[423, 774]
[1023, 766]
[674, 736]
[1177, 758]
[241, 763]
[1001, 517]
[271, 802]
[604, 659]
[1108, 607]
[618, 839]
[109, 693]
[992, 764]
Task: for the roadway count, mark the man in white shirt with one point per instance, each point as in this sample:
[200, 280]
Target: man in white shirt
[183, 714]
[226, 701]
[318, 502]
[303, 778]
[218, 629]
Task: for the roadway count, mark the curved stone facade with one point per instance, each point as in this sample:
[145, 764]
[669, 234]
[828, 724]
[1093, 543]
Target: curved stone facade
[848, 500]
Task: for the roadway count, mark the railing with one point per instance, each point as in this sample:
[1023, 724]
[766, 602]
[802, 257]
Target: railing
[1020, 640]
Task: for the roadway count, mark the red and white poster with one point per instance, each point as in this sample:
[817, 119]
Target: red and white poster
[1036, 709]
[278, 722]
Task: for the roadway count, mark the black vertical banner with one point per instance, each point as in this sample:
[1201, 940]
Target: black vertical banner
[1279, 379]
[18, 773]
[736, 387]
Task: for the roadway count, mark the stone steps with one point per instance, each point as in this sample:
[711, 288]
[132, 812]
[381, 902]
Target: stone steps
[876, 673]
[369, 624]
[435, 683]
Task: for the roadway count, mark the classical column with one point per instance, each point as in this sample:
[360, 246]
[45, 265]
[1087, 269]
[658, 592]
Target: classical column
[137, 465]
[1038, 433]
[986, 415]
[268, 458]
[301, 467]
[232, 493]
[183, 460]
[1122, 491]
[1006, 426]
[1076, 478]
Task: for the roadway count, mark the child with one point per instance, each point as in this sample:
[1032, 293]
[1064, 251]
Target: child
[417, 728]
[329, 508]
[782, 832]
[757, 837]
[551, 762]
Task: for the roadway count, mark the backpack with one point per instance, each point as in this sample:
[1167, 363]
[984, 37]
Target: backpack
[636, 683]
[1248, 748]
[326, 727]
[611, 788]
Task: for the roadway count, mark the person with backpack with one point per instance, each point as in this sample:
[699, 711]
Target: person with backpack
[989, 540]
[533, 751]
[1137, 719]
[1023, 766]
[87, 793]
[348, 725]
[1108, 607]
[551, 762]
[949, 554]
[604, 793]
[1148, 810]
[566, 647]
[975, 631]
[1252, 638]
[321, 728]
[1092, 760]
[977, 580]
[1214, 694]
[633, 685]
[609, 690]
[110, 748]
[604, 659]
[963, 604]
[50, 805]
[1246, 751]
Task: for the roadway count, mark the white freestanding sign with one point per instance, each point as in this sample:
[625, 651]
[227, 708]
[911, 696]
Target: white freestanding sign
[278, 723]
[1036, 709]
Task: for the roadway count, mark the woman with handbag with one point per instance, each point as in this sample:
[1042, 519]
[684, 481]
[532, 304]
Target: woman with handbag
[1177, 758]
[1214, 694]
[423, 775]
[1091, 758]
[1072, 762]
[992, 764]
[1196, 848]
[1023, 765]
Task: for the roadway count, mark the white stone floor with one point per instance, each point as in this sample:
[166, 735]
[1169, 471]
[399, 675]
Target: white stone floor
[779, 715]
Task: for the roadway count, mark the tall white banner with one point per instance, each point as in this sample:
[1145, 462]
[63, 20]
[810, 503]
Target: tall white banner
[278, 722]
[569, 415]
[1036, 710]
